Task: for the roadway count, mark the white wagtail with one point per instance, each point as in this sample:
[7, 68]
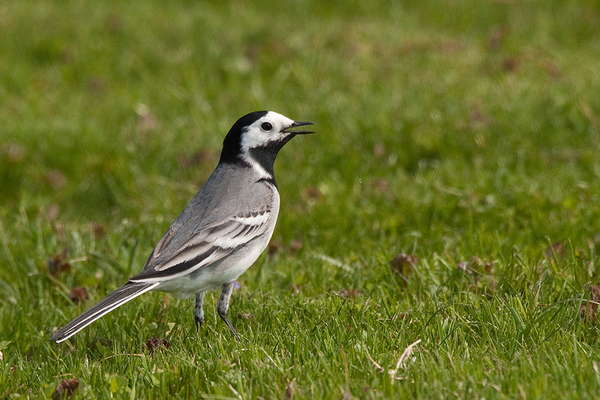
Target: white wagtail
[221, 232]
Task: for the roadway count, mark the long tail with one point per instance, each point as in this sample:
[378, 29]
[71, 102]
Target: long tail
[122, 295]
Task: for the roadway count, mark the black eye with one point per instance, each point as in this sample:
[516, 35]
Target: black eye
[266, 126]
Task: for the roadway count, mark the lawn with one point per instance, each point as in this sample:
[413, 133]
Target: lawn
[439, 237]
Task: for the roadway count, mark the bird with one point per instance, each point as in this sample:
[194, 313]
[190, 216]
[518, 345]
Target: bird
[221, 232]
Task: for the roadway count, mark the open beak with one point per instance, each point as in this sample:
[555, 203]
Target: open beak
[296, 124]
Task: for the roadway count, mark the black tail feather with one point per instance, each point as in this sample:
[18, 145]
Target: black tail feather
[116, 299]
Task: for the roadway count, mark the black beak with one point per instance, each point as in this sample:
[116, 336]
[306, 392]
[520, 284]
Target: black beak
[296, 124]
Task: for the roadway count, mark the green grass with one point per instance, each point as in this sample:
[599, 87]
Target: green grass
[446, 129]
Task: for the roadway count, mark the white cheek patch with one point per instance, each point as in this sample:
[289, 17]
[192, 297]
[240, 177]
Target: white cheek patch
[255, 136]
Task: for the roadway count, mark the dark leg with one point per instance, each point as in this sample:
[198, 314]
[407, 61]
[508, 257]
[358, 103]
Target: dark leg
[223, 305]
[198, 311]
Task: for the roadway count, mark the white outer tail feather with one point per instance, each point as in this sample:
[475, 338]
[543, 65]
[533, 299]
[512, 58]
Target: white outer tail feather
[122, 295]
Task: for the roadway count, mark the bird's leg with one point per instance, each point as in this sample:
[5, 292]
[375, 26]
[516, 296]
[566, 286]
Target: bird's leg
[223, 305]
[198, 310]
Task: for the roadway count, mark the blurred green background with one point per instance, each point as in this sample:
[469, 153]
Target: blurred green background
[447, 130]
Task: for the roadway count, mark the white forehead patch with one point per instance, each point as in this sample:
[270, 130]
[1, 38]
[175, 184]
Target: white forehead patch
[256, 135]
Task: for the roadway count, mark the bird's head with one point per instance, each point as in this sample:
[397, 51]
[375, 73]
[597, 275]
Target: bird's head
[257, 138]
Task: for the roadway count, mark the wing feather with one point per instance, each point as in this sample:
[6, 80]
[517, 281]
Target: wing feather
[204, 247]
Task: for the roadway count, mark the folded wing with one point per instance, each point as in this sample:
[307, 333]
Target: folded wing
[203, 247]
